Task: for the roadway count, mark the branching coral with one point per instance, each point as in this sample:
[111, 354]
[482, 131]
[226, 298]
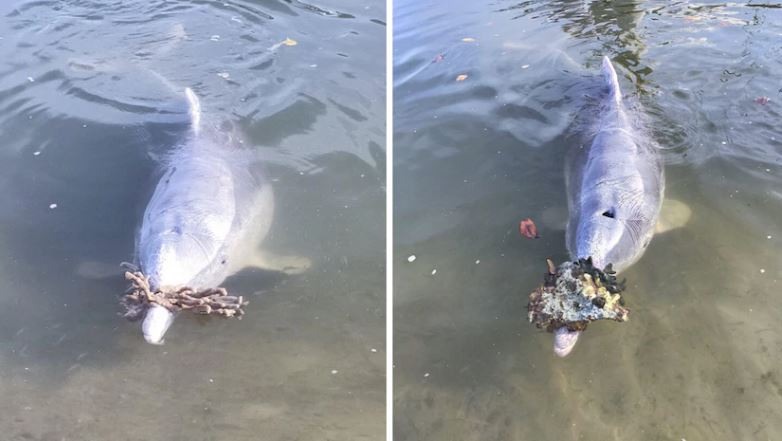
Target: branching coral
[208, 301]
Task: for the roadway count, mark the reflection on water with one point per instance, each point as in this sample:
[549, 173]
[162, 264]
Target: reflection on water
[699, 358]
[91, 98]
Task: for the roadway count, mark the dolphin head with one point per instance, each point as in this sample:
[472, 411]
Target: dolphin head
[609, 235]
[173, 258]
[598, 235]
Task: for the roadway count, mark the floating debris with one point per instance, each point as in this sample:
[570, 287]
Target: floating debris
[762, 100]
[525, 66]
[438, 58]
[208, 301]
[215, 38]
[411, 259]
[575, 294]
[528, 229]
[468, 40]
[289, 42]
[224, 75]
[52, 206]
[461, 77]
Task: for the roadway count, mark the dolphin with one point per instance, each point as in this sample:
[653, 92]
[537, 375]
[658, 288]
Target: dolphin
[615, 184]
[210, 210]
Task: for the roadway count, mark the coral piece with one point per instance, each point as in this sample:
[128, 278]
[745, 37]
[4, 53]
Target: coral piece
[575, 294]
[208, 301]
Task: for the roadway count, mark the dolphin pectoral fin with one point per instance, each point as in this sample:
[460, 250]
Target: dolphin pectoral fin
[674, 214]
[285, 264]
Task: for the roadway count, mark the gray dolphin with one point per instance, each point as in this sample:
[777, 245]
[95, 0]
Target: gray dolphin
[615, 190]
[209, 212]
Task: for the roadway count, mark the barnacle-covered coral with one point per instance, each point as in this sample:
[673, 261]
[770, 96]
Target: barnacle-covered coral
[575, 294]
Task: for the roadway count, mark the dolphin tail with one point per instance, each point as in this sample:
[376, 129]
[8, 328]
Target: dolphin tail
[609, 74]
[195, 109]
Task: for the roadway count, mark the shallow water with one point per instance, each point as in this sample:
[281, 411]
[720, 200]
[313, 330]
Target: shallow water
[700, 357]
[91, 97]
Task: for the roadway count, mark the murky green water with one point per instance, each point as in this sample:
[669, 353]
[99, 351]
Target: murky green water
[83, 115]
[700, 358]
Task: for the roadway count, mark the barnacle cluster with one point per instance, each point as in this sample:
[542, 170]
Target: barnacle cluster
[575, 294]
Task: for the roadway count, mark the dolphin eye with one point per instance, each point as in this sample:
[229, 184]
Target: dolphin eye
[609, 213]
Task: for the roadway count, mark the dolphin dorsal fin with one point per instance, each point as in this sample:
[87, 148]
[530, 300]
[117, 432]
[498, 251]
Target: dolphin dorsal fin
[609, 74]
[195, 109]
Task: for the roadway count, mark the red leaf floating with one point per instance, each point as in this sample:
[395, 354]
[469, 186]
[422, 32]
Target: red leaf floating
[762, 100]
[528, 229]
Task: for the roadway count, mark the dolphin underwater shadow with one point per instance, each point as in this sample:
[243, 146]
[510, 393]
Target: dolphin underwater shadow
[615, 184]
[209, 212]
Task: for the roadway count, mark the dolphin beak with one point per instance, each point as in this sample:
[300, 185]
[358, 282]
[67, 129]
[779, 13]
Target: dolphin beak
[564, 341]
[156, 323]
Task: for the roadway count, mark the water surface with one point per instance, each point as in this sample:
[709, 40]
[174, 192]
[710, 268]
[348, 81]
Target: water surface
[90, 98]
[700, 357]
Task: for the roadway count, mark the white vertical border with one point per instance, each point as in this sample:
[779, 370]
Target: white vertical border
[389, 221]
